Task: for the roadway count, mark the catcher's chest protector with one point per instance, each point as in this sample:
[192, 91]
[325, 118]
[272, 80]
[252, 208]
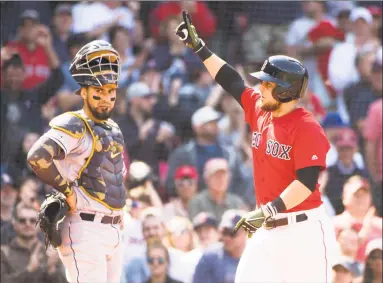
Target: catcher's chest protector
[102, 178]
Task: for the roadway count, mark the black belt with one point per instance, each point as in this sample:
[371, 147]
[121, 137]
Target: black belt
[104, 220]
[274, 223]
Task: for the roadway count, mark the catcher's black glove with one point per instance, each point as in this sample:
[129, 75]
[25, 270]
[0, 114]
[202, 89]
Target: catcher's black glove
[187, 33]
[52, 211]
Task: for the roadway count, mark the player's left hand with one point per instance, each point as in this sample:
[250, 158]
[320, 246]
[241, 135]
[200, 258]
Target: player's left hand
[251, 221]
[187, 33]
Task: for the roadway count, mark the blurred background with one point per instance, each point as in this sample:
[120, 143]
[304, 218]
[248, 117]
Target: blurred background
[187, 147]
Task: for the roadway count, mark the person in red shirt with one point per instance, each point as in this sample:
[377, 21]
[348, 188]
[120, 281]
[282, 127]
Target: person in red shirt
[33, 54]
[293, 237]
[206, 21]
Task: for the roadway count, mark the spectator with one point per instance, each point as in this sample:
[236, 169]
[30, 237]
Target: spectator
[206, 227]
[358, 214]
[121, 40]
[203, 18]
[299, 45]
[25, 105]
[62, 29]
[205, 224]
[312, 103]
[342, 272]
[153, 230]
[159, 260]
[219, 263]
[139, 199]
[74, 44]
[186, 181]
[8, 196]
[215, 199]
[232, 123]
[32, 47]
[376, 12]
[146, 138]
[342, 69]
[348, 244]
[344, 168]
[373, 268]
[373, 139]
[324, 36]
[331, 124]
[189, 98]
[19, 165]
[358, 96]
[204, 146]
[95, 19]
[246, 165]
[24, 258]
[181, 234]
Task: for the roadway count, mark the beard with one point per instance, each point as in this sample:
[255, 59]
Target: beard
[26, 237]
[270, 107]
[104, 115]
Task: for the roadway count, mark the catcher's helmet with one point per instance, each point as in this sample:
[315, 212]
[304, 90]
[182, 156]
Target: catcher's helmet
[96, 64]
[288, 73]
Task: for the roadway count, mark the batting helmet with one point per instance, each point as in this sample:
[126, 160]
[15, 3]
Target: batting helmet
[96, 64]
[288, 73]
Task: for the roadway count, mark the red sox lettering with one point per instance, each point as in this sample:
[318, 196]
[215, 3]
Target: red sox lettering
[276, 149]
[273, 147]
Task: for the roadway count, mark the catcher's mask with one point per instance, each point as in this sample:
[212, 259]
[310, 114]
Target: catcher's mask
[96, 64]
[288, 73]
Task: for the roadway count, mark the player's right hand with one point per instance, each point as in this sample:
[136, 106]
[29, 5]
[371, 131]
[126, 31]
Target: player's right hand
[187, 33]
[72, 201]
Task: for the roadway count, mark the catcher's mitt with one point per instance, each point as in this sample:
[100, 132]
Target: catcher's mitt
[52, 212]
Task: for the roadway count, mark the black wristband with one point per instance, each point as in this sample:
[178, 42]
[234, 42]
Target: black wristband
[279, 205]
[204, 53]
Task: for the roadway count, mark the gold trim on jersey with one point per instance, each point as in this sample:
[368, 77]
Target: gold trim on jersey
[76, 136]
[98, 200]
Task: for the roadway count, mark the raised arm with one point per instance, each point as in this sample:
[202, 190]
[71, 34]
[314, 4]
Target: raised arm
[222, 72]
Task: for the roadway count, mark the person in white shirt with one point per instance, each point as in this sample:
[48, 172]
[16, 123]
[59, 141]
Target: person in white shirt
[342, 69]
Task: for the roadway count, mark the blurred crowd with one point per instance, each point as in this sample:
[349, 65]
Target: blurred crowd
[187, 147]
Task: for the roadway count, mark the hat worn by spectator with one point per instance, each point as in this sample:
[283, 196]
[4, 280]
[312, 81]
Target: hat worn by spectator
[354, 185]
[375, 11]
[333, 120]
[6, 180]
[204, 219]
[214, 165]
[352, 267]
[63, 9]
[31, 15]
[205, 115]
[346, 138]
[375, 244]
[149, 66]
[138, 89]
[361, 13]
[186, 171]
[230, 218]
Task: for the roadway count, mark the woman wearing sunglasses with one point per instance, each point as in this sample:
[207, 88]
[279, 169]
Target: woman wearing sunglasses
[158, 260]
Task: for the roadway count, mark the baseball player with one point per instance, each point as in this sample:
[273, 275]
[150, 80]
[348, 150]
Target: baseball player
[293, 238]
[81, 157]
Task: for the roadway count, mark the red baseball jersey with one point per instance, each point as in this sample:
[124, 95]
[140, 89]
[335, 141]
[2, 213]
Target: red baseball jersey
[280, 147]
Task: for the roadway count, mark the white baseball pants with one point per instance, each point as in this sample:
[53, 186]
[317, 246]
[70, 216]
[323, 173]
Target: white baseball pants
[297, 252]
[91, 251]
